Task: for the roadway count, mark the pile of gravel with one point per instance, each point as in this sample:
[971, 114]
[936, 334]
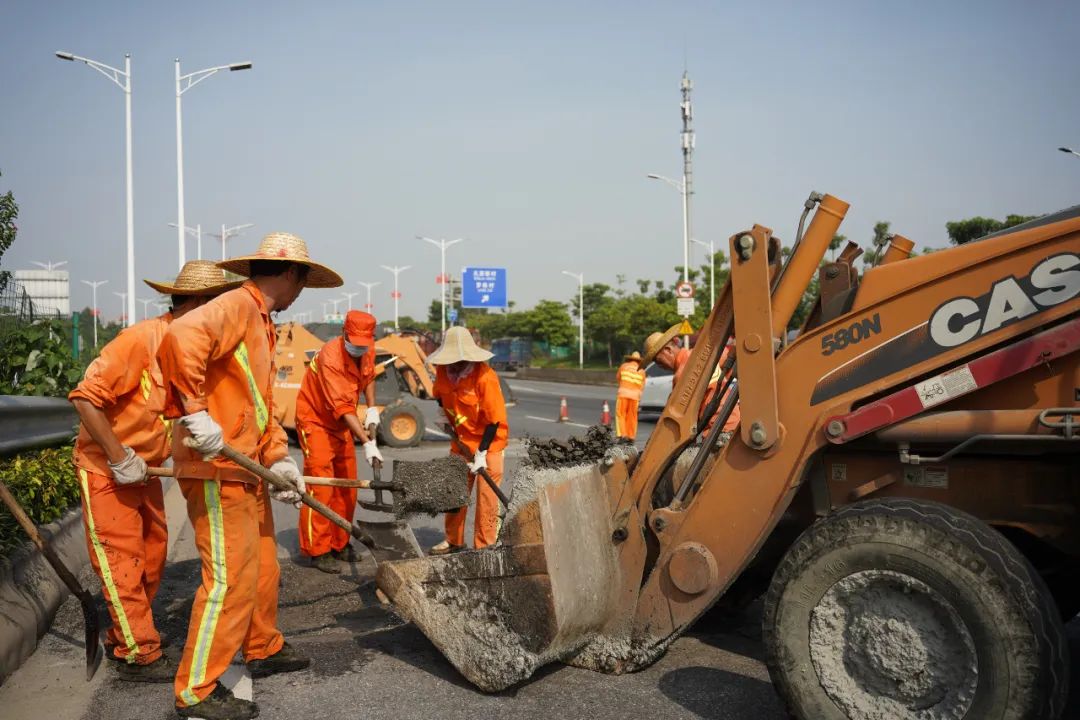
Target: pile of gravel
[584, 450]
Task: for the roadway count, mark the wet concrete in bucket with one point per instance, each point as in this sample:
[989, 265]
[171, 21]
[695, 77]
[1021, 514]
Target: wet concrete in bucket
[430, 487]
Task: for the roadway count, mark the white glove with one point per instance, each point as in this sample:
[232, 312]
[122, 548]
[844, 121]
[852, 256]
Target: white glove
[286, 469]
[130, 470]
[371, 417]
[479, 462]
[371, 452]
[206, 435]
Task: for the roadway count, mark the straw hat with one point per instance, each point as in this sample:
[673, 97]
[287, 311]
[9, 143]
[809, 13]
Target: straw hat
[656, 342]
[633, 356]
[285, 247]
[197, 277]
[458, 345]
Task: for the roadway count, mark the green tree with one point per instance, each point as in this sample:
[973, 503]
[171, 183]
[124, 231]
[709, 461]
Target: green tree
[963, 231]
[550, 321]
[835, 244]
[872, 255]
[9, 212]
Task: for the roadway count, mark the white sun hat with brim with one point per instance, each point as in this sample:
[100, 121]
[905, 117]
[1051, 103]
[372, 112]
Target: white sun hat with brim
[458, 345]
[285, 247]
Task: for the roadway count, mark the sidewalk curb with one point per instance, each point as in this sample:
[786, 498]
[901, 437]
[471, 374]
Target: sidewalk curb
[30, 592]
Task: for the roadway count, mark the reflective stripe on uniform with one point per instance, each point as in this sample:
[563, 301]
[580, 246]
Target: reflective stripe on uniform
[262, 417]
[215, 599]
[314, 366]
[632, 377]
[459, 419]
[106, 572]
[147, 385]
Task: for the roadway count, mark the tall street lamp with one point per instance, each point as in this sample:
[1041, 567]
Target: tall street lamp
[116, 76]
[95, 286]
[123, 303]
[581, 316]
[183, 84]
[368, 285]
[145, 304]
[335, 302]
[442, 244]
[228, 232]
[681, 187]
[197, 233]
[397, 295]
[349, 296]
[50, 266]
[1069, 150]
[712, 270]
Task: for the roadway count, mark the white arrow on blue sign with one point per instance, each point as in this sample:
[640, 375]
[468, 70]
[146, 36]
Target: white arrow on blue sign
[483, 287]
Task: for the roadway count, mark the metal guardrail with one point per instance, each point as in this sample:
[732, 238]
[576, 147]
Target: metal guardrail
[32, 422]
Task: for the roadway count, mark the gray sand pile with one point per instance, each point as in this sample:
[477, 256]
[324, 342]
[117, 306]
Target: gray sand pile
[430, 486]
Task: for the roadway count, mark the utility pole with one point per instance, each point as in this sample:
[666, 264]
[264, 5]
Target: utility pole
[397, 295]
[687, 138]
[368, 285]
[95, 286]
[442, 244]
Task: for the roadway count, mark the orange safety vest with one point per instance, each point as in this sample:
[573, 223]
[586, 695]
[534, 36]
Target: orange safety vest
[631, 380]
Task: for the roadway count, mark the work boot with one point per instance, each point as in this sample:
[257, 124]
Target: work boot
[346, 554]
[161, 670]
[445, 548]
[326, 563]
[284, 660]
[220, 704]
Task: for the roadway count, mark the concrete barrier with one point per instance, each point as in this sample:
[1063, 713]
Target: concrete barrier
[570, 375]
[30, 592]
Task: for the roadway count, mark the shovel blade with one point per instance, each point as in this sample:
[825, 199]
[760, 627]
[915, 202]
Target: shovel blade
[500, 613]
[388, 539]
[91, 637]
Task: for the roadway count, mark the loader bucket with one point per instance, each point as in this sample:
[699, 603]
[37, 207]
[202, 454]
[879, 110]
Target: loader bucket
[500, 613]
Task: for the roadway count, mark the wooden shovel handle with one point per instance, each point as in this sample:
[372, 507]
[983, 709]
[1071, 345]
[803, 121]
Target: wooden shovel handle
[308, 479]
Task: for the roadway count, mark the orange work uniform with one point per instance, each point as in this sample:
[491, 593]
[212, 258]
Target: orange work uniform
[126, 533]
[680, 365]
[330, 390]
[471, 405]
[631, 384]
[220, 358]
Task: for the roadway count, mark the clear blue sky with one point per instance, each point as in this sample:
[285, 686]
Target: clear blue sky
[527, 128]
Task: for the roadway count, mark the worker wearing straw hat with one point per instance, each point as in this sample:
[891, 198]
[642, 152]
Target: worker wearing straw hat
[119, 402]
[468, 391]
[631, 376]
[218, 369]
[665, 350]
[326, 423]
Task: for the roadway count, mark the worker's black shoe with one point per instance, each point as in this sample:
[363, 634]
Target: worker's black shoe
[287, 659]
[346, 554]
[220, 704]
[161, 670]
[326, 563]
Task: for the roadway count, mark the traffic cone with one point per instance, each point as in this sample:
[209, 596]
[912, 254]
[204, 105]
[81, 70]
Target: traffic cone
[605, 415]
[564, 412]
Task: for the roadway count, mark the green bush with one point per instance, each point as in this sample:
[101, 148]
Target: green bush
[35, 359]
[44, 483]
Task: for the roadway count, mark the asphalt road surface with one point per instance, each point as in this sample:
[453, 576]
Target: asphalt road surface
[367, 663]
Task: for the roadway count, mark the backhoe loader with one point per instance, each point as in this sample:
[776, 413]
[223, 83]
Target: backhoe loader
[903, 487]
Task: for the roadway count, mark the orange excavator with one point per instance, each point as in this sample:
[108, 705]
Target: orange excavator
[903, 489]
[401, 376]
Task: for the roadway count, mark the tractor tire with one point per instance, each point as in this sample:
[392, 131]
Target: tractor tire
[904, 609]
[401, 426]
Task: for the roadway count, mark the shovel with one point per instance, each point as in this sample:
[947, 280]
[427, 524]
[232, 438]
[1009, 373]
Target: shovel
[90, 616]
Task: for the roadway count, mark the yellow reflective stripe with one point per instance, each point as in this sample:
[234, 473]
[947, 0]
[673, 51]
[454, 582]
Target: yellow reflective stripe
[618, 424]
[716, 374]
[106, 572]
[303, 443]
[314, 366]
[215, 599]
[310, 535]
[262, 417]
[458, 419]
[632, 378]
[146, 384]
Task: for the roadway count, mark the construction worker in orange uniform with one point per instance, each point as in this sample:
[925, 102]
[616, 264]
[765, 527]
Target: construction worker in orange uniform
[631, 384]
[119, 402]
[326, 423]
[217, 366]
[468, 391]
[664, 348]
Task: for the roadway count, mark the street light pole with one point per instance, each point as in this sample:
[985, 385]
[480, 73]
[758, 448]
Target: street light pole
[368, 285]
[442, 244]
[123, 304]
[397, 295]
[228, 232]
[95, 286]
[1069, 150]
[681, 187]
[712, 270]
[115, 75]
[183, 84]
[349, 296]
[197, 233]
[581, 315]
[145, 305]
[50, 266]
[335, 302]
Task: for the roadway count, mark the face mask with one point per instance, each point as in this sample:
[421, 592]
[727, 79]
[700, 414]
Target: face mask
[458, 370]
[355, 350]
